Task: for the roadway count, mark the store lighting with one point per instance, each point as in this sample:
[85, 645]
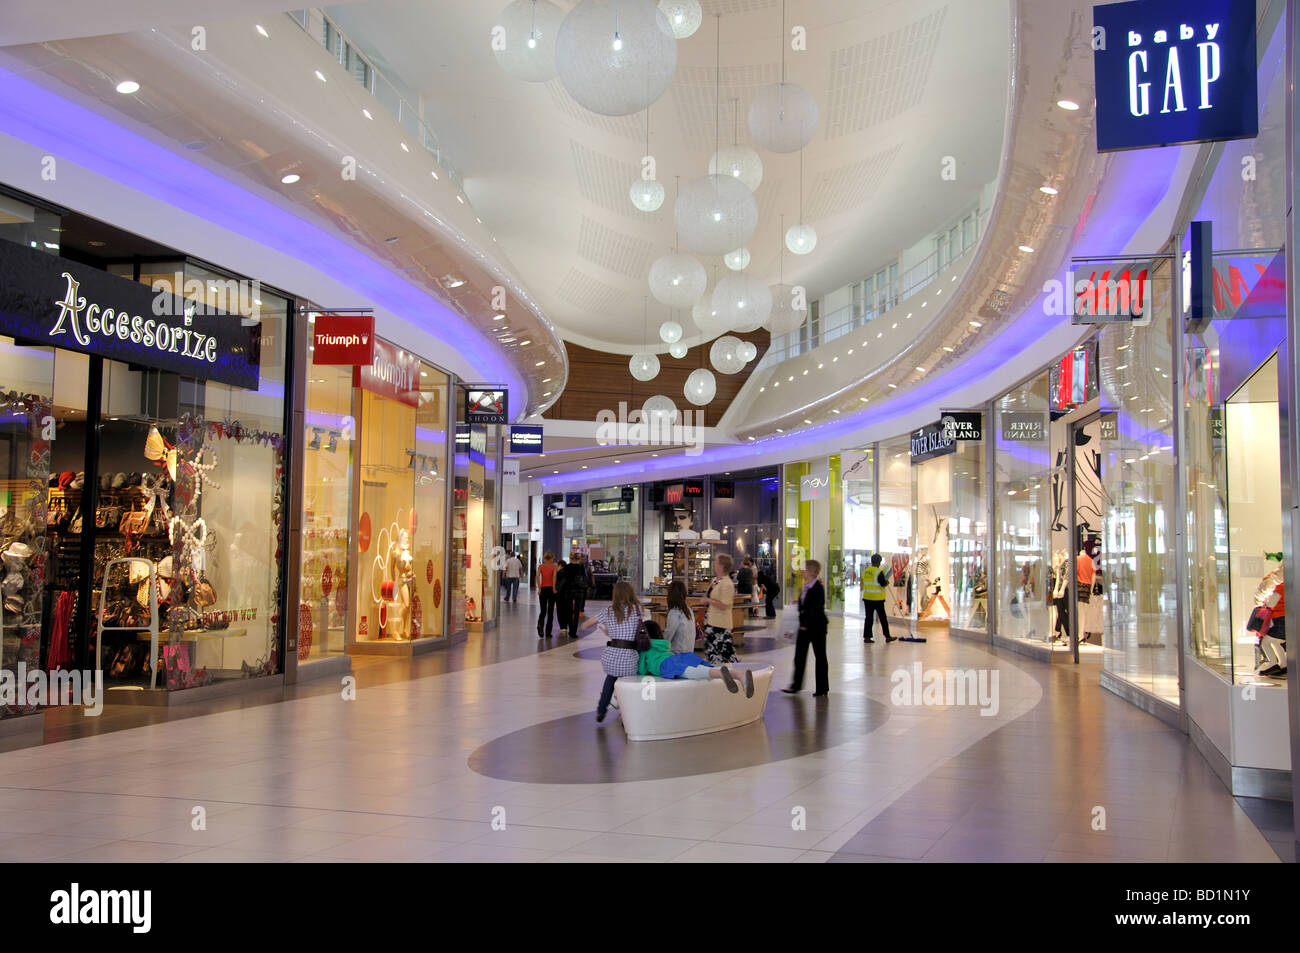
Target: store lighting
[834, 411]
[762, 390]
[807, 421]
[863, 399]
[498, 317]
[128, 86]
[751, 439]
[434, 173]
[805, 371]
[834, 359]
[779, 430]
[850, 350]
[976, 324]
[776, 383]
[820, 366]
[262, 30]
[291, 178]
[1026, 249]
[320, 76]
[366, 113]
[1069, 105]
[1047, 190]
[539, 364]
[879, 335]
[893, 387]
[948, 349]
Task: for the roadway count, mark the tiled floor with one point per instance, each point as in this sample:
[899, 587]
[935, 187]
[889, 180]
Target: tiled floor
[392, 775]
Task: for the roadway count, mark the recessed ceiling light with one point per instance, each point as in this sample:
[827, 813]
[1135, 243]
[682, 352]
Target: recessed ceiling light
[863, 399]
[1067, 104]
[584, 466]
[522, 343]
[820, 366]
[779, 430]
[546, 380]
[1047, 190]
[1026, 248]
[805, 370]
[618, 461]
[320, 76]
[790, 378]
[451, 281]
[477, 219]
[291, 178]
[539, 364]
[762, 390]
[834, 411]
[392, 240]
[404, 147]
[262, 30]
[948, 349]
[751, 439]
[366, 113]
[807, 421]
[555, 471]
[976, 324]
[920, 368]
[128, 86]
[893, 387]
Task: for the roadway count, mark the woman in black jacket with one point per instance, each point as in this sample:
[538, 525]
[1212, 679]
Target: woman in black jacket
[812, 631]
[771, 588]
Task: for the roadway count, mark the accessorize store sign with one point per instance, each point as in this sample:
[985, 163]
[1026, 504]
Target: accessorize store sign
[1174, 71]
[45, 299]
[394, 374]
[343, 339]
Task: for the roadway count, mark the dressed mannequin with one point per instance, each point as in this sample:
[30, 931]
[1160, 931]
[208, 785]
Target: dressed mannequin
[1086, 574]
[1272, 643]
[922, 574]
[1061, 594]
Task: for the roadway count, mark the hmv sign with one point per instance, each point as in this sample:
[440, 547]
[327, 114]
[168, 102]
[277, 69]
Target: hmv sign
[1174, 71]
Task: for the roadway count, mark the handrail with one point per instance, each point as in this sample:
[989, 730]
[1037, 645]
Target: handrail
[843, 320]
[380, 86]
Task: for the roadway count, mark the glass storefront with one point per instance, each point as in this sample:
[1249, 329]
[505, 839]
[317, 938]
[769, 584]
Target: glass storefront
[143, 529]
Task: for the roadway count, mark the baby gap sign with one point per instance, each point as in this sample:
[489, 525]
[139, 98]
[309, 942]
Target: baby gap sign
[1174, 71]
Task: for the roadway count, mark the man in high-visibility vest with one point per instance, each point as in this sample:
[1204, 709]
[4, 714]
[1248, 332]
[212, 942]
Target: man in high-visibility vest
[874, 583]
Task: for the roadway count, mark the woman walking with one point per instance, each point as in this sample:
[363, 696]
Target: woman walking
[718, 647]
[546, 594]
[812, 631]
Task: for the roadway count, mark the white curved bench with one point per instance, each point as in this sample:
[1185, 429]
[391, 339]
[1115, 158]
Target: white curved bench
[682, 707]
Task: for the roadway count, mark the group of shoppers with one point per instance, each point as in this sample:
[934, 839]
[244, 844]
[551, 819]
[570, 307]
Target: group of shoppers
[562, 591]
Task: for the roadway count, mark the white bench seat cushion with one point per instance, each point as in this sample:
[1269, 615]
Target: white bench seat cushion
[682, 707]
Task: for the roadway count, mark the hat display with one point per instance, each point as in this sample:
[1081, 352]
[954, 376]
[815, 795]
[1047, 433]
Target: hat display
[711, 534]
[119, 480]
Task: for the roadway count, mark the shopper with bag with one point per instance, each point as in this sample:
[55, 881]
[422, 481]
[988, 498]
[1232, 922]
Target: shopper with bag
[812, 631]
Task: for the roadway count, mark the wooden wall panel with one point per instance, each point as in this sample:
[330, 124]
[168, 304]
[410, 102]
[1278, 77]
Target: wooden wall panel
[598, 380]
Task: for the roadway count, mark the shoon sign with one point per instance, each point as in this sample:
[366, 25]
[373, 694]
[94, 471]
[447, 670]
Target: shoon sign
[343, 339]
[485, 405]
[1174, 72]
[45, 299]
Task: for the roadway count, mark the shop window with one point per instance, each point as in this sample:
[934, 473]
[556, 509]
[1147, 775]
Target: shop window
[329, 435]
[897, 524]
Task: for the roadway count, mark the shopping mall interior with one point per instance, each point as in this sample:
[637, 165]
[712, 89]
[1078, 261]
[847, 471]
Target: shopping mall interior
[738, 431]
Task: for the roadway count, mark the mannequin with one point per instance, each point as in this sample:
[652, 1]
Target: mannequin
[1272, 642]
[1061, 595]
[1086, 574]
[405, 584]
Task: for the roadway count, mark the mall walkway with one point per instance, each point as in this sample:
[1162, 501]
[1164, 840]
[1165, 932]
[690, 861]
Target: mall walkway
[492, 753]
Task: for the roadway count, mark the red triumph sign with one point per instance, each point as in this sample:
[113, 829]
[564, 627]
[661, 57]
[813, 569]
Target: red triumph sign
[394, 374]
[343, 339]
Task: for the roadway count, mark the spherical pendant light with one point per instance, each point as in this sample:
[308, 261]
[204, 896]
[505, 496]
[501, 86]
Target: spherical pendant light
[647, 195]
[678, 280]
[742, 302]
[748, 351]
[679, 350]
[737, 260]
[530, 28]
[684, 16]
[783, 117]
[715, 214]
[670, 332]
[700, 387]
[801, 239]
[659, 410]
[644, 367]
[724, 355]
[785, 317]
[739, 162]
[616, 58]
[706, 318]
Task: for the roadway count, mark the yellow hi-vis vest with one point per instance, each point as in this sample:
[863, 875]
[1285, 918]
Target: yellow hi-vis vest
[872, 588]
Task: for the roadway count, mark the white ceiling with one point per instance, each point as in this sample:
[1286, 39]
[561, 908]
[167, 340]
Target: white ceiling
[900, 84]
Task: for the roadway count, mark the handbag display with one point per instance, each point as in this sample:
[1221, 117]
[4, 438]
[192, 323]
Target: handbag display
[1096, 587]
[1261, 620]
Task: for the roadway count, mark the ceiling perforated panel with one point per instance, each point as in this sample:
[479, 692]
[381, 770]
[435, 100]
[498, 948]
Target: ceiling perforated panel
[880, 78]
[839, 190]
[614, 250]
[589, 294]
[605, 180]
[695, 96]
[723, 7]
[629, 127]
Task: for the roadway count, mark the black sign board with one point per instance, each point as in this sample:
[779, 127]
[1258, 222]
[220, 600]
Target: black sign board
[1109, 425]
[554, 512]
[486, 405]
[573, 500]
[1218, 429]
[963, 424]
[1174, 71]
[692, 488]
[628, 493]
[1024, 427]
[931, 441]
[724, 489]
[526, 439]
[1198, 310]
[45, 299]
[601, 507]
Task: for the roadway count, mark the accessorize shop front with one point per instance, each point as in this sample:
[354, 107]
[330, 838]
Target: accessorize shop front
[142, 413]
